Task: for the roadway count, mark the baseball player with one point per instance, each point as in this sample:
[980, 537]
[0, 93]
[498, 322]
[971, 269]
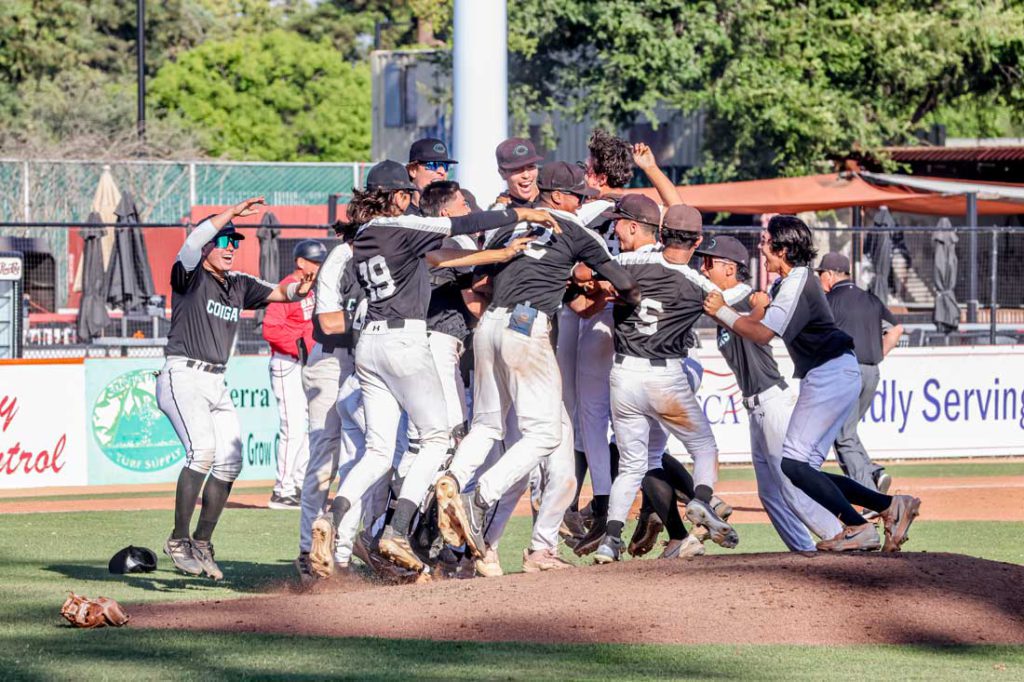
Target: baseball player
[288, 328]
[515, 363]
[428, 162]
[394, 363]
[823, 360]
[206, 305]
[769, 402]
[517, 164]
[875, 332]
[650, 393]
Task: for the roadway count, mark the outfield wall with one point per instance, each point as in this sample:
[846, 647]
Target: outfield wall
[96, 422]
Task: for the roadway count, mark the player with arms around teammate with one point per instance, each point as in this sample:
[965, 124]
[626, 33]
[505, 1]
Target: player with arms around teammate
[824, 362]
[394, 363]
[650, 393]
[207, 301]
[769, 402]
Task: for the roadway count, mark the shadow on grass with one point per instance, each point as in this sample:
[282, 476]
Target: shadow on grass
[239, 576]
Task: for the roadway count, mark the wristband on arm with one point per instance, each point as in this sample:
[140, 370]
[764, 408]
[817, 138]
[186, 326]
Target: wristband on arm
[727, 316]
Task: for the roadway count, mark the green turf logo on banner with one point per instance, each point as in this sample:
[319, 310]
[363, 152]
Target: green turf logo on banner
[129, 426]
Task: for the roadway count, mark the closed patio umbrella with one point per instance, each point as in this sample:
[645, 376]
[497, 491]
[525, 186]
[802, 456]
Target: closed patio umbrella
[129, 278]
[92, 309]
[947, 313]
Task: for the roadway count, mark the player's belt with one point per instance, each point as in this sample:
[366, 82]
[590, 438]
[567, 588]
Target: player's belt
[384, 325]
[205, 366]
[755, 400]
[621, 359]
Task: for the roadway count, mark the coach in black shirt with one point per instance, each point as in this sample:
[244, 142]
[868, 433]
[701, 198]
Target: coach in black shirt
[875, 332]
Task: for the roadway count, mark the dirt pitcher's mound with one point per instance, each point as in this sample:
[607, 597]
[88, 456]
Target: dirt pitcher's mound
[751, 598]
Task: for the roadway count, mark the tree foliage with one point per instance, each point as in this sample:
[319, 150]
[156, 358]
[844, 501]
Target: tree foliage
[274, 97]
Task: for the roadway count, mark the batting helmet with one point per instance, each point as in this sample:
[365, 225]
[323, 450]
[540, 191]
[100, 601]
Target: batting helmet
[310, 249]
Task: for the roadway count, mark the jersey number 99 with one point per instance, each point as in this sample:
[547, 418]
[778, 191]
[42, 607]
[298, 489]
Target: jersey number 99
[376, 278]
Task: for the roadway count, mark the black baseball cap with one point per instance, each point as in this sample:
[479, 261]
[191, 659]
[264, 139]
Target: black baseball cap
[228, 231]
[133, 559]
[390, 176]
[429, 149]
[516, 152]
[683, 218]
[564, 177]
[728, 248]
[834, 262]
[635, 207]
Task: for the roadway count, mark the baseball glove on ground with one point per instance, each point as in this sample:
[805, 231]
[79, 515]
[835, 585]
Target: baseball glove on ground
[83, 612]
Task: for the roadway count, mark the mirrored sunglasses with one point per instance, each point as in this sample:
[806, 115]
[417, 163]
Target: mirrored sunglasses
[434, 166]
[225, 239]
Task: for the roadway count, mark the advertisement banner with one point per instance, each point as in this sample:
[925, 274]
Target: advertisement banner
[131, 441]
[42, 425]
[930, 402]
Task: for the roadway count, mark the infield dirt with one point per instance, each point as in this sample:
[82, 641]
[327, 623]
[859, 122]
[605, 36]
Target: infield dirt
[909, 598]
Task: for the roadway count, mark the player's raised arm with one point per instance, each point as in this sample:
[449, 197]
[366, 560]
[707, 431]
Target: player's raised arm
[191, 252]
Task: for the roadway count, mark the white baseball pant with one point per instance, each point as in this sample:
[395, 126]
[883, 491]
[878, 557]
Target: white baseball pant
[396, 372]
[321, 378]
[790, 509]
[566, 353]
[293, 411]
[648, 400]
[595, 352]
[827, 395]
[512, 370]
[202, 414]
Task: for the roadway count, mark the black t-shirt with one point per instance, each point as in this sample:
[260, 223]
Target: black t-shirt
[538, 275]
[447, 311]
[673, 300]
[205, 311]
[860, 314]
[752, 363]
[800, 314]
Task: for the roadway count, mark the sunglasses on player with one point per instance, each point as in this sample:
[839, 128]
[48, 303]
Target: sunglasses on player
[223, 240]
[435, 166]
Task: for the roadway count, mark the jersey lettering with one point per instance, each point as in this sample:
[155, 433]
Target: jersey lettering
[646, 313]
[224, 312]
[376, 278]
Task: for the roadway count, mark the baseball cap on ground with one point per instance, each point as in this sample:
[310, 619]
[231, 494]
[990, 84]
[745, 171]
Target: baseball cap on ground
[133, 559]
[311, 250]
[635, 207]
[835, 262]
[728, 248]
[429, 149]
[390, 176]
[564, 177]
[516, 152]
[683, 218]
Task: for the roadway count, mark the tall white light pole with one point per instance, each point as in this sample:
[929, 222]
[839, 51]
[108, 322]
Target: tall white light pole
[480, 81]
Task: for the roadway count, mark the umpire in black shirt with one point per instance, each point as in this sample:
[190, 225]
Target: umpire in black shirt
[875, 332]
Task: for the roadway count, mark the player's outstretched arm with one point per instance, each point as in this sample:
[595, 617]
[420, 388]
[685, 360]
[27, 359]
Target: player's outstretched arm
[191, 251]
[296, 291]
[619, 277]
[644, 159]
[743, 325]
[467, 258]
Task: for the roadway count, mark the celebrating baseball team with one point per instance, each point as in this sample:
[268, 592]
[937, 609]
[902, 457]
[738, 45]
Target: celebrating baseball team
[567, 309]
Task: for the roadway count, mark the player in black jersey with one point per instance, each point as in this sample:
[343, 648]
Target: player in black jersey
[515, 363]
[830, 383]
[517, 164]
[393, 360]
[206, 305]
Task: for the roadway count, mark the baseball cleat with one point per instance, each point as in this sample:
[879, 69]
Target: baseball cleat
[897, 519]
[721, 508]
[365, 550]
[883, 482]
[609, 550]
[543, 560]
[284, 502]
[648, 527]
[395, 547]
[700, 513]
[573, 525]
[306, 575]
[853, 538]
[321, 553]
[202, 550]
[682, 549]
[446, 491]
[592, 540]
[489, 566]
[464, 518]
[180, 552]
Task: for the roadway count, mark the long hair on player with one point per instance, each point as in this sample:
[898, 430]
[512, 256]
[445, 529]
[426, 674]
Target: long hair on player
[790, 234]
[375, 203]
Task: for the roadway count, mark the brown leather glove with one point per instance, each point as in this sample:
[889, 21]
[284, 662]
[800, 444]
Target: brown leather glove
[83, 612]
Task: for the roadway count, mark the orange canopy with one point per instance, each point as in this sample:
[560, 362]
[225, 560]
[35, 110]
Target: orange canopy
[824, 192]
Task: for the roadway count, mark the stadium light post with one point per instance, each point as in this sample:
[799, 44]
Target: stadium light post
[140, 64]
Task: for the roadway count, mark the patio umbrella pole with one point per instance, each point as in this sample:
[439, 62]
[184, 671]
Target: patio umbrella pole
[993, 283]
[972, 245]
[858, 224]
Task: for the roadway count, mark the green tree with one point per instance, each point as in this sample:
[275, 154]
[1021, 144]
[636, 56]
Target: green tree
[271, 97]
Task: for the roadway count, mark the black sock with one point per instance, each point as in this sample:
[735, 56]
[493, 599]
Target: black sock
[339, 507]
[820, 488]
[614, 529]
[613, 450]
[677, 475]
[599, 505]
[185, 495]
[703, 493]
[645, 503]
[861, 495]
[215, 497]
[404, 511]
[581, 474]
[661, 495]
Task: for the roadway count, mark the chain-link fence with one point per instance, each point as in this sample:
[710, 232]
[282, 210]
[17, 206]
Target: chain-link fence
[986, 280]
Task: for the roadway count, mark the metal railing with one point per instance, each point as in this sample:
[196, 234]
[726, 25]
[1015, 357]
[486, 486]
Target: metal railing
[995, 275]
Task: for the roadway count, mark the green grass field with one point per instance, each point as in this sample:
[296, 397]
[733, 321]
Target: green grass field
[44, 555]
